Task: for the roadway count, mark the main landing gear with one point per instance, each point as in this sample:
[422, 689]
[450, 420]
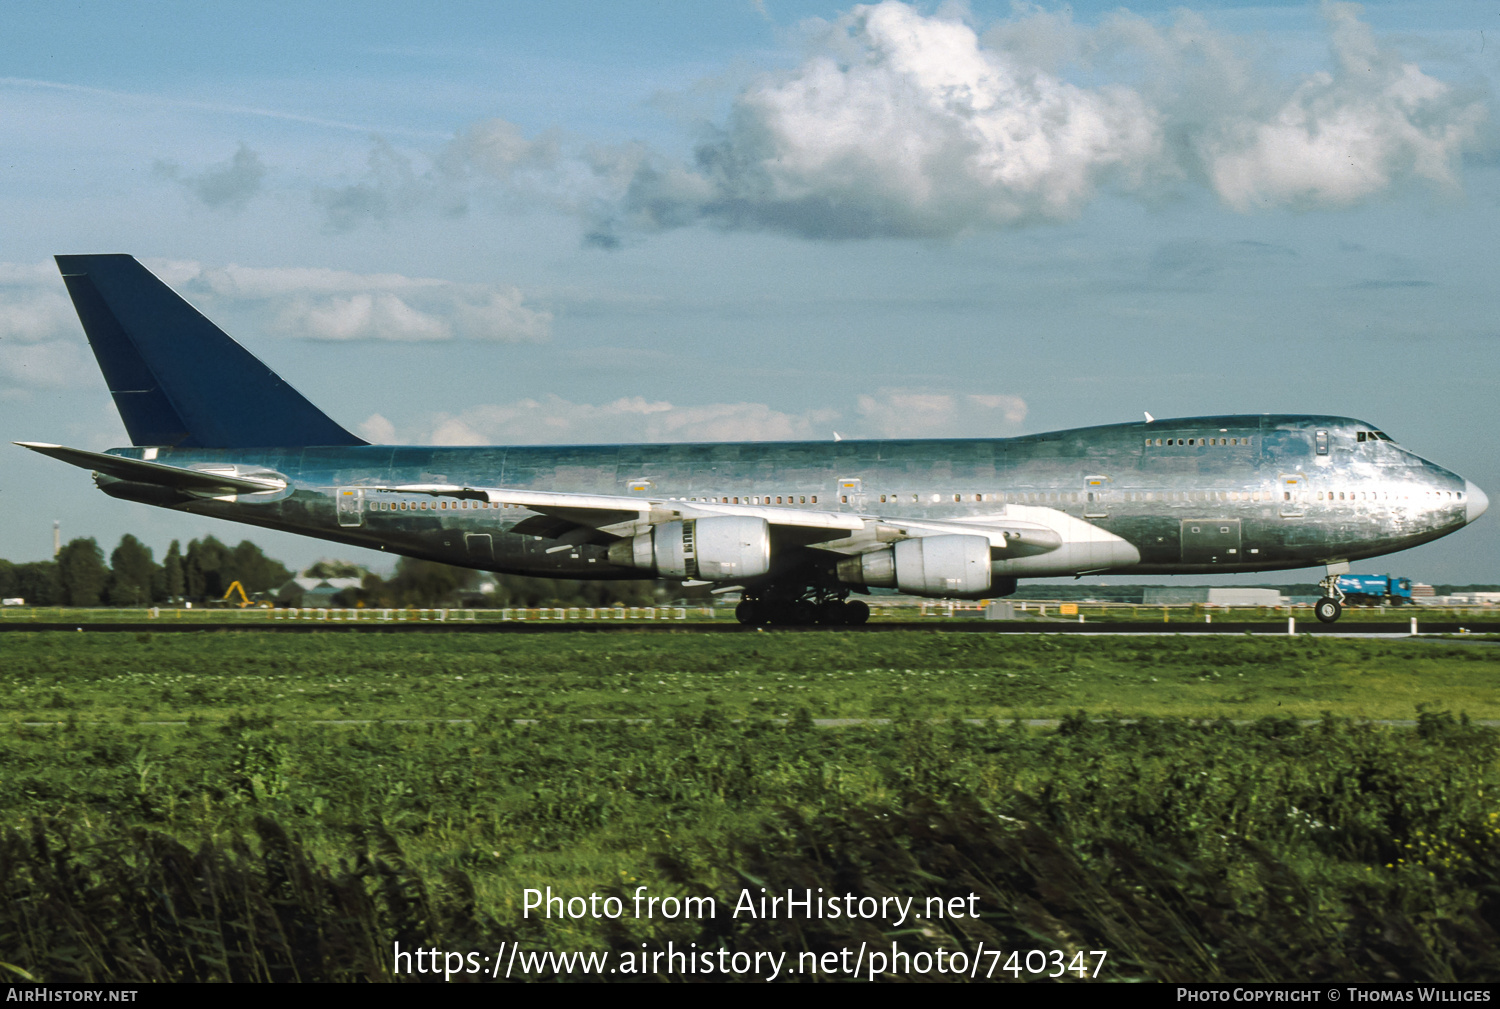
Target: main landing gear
[1331, 606]
[810, 607]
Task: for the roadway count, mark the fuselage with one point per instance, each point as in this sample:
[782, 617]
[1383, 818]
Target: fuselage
[1213, 494]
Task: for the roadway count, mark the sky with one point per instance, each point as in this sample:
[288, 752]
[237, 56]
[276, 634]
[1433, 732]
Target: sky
[578, 222]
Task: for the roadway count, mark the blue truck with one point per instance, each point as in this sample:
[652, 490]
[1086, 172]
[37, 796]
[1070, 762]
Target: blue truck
[1375, 590]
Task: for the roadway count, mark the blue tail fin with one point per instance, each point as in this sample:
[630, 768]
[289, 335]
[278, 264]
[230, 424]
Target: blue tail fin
[177, 379]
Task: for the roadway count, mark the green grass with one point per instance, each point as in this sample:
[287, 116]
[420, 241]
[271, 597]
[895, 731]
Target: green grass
[1207, 852]
[170, 677]
[254, 842]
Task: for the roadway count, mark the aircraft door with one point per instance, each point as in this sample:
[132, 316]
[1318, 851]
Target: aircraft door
[1210, 541]
[1291, 487]
[351, 505]
[1095, 500]
[481, 546]
[851, 494]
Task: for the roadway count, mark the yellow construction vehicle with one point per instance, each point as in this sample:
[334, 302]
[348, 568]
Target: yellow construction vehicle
[233, 588]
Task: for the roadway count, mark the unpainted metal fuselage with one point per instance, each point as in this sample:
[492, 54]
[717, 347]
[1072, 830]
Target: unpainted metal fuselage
[1214, 494]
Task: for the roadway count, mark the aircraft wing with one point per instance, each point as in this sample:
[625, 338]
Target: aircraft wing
[1009, 537]
[618, 516]
[212, 482]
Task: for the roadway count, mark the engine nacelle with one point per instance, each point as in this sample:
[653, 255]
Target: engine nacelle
[712, 549]
[928, 566]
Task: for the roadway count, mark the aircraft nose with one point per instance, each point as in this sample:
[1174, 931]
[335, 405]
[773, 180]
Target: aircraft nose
[1475, 500]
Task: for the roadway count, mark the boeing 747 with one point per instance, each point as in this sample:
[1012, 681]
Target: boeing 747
[796, 527]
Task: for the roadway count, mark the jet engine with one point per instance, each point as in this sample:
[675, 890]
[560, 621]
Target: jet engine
[712, 549]
[928, 566]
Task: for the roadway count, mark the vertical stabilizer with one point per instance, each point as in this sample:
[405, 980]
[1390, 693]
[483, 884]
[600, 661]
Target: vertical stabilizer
[177, 379]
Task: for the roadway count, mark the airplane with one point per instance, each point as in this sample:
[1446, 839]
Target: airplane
[795, 527]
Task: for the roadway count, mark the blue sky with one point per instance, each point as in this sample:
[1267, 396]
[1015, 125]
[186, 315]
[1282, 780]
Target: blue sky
[491, 223]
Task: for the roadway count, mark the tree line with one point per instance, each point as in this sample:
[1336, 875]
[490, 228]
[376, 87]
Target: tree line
[80, 576]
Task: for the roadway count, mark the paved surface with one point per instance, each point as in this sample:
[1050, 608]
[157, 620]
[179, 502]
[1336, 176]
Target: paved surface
[1343, 629]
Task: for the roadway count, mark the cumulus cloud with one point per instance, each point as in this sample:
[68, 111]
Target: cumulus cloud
[554, 420]
[376, 430]
[901, 124]
[325, 304]
[229, 185]
[391, 184]
[40, 339]
[51, 364]
[908, 125]
[365, 316]
[1344, 136]
[914, 413]
[35, 316]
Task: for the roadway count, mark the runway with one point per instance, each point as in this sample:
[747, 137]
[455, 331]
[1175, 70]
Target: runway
[1358, 629]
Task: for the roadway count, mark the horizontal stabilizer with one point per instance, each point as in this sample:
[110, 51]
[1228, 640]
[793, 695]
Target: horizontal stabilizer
[192, 481]
[176, 378]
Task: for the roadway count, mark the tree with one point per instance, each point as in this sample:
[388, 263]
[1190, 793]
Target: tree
[334, 569]
[209, 568]
[80, 568]
[173, 586]
[132, 572]
[249, 566]
[38, 583]
[426, 583]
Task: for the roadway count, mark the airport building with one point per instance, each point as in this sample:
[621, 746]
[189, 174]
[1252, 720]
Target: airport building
[1185, 595]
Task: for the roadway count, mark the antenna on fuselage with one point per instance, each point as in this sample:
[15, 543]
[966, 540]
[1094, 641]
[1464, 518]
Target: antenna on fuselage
[1149, 418]
[837, 436]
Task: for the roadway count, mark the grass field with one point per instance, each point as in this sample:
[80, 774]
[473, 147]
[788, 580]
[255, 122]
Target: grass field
[253, 840]
[169, 677]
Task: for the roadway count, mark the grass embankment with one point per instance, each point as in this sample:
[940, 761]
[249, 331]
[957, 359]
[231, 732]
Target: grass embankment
[253, 843]
[54, 677]
[1266, 852]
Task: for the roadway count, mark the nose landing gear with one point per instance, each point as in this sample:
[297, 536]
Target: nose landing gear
[1331, 606]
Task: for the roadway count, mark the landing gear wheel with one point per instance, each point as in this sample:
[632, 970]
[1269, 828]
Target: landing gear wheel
[747, 612]
[832, 613]
[856, 612]
[1328, 610]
